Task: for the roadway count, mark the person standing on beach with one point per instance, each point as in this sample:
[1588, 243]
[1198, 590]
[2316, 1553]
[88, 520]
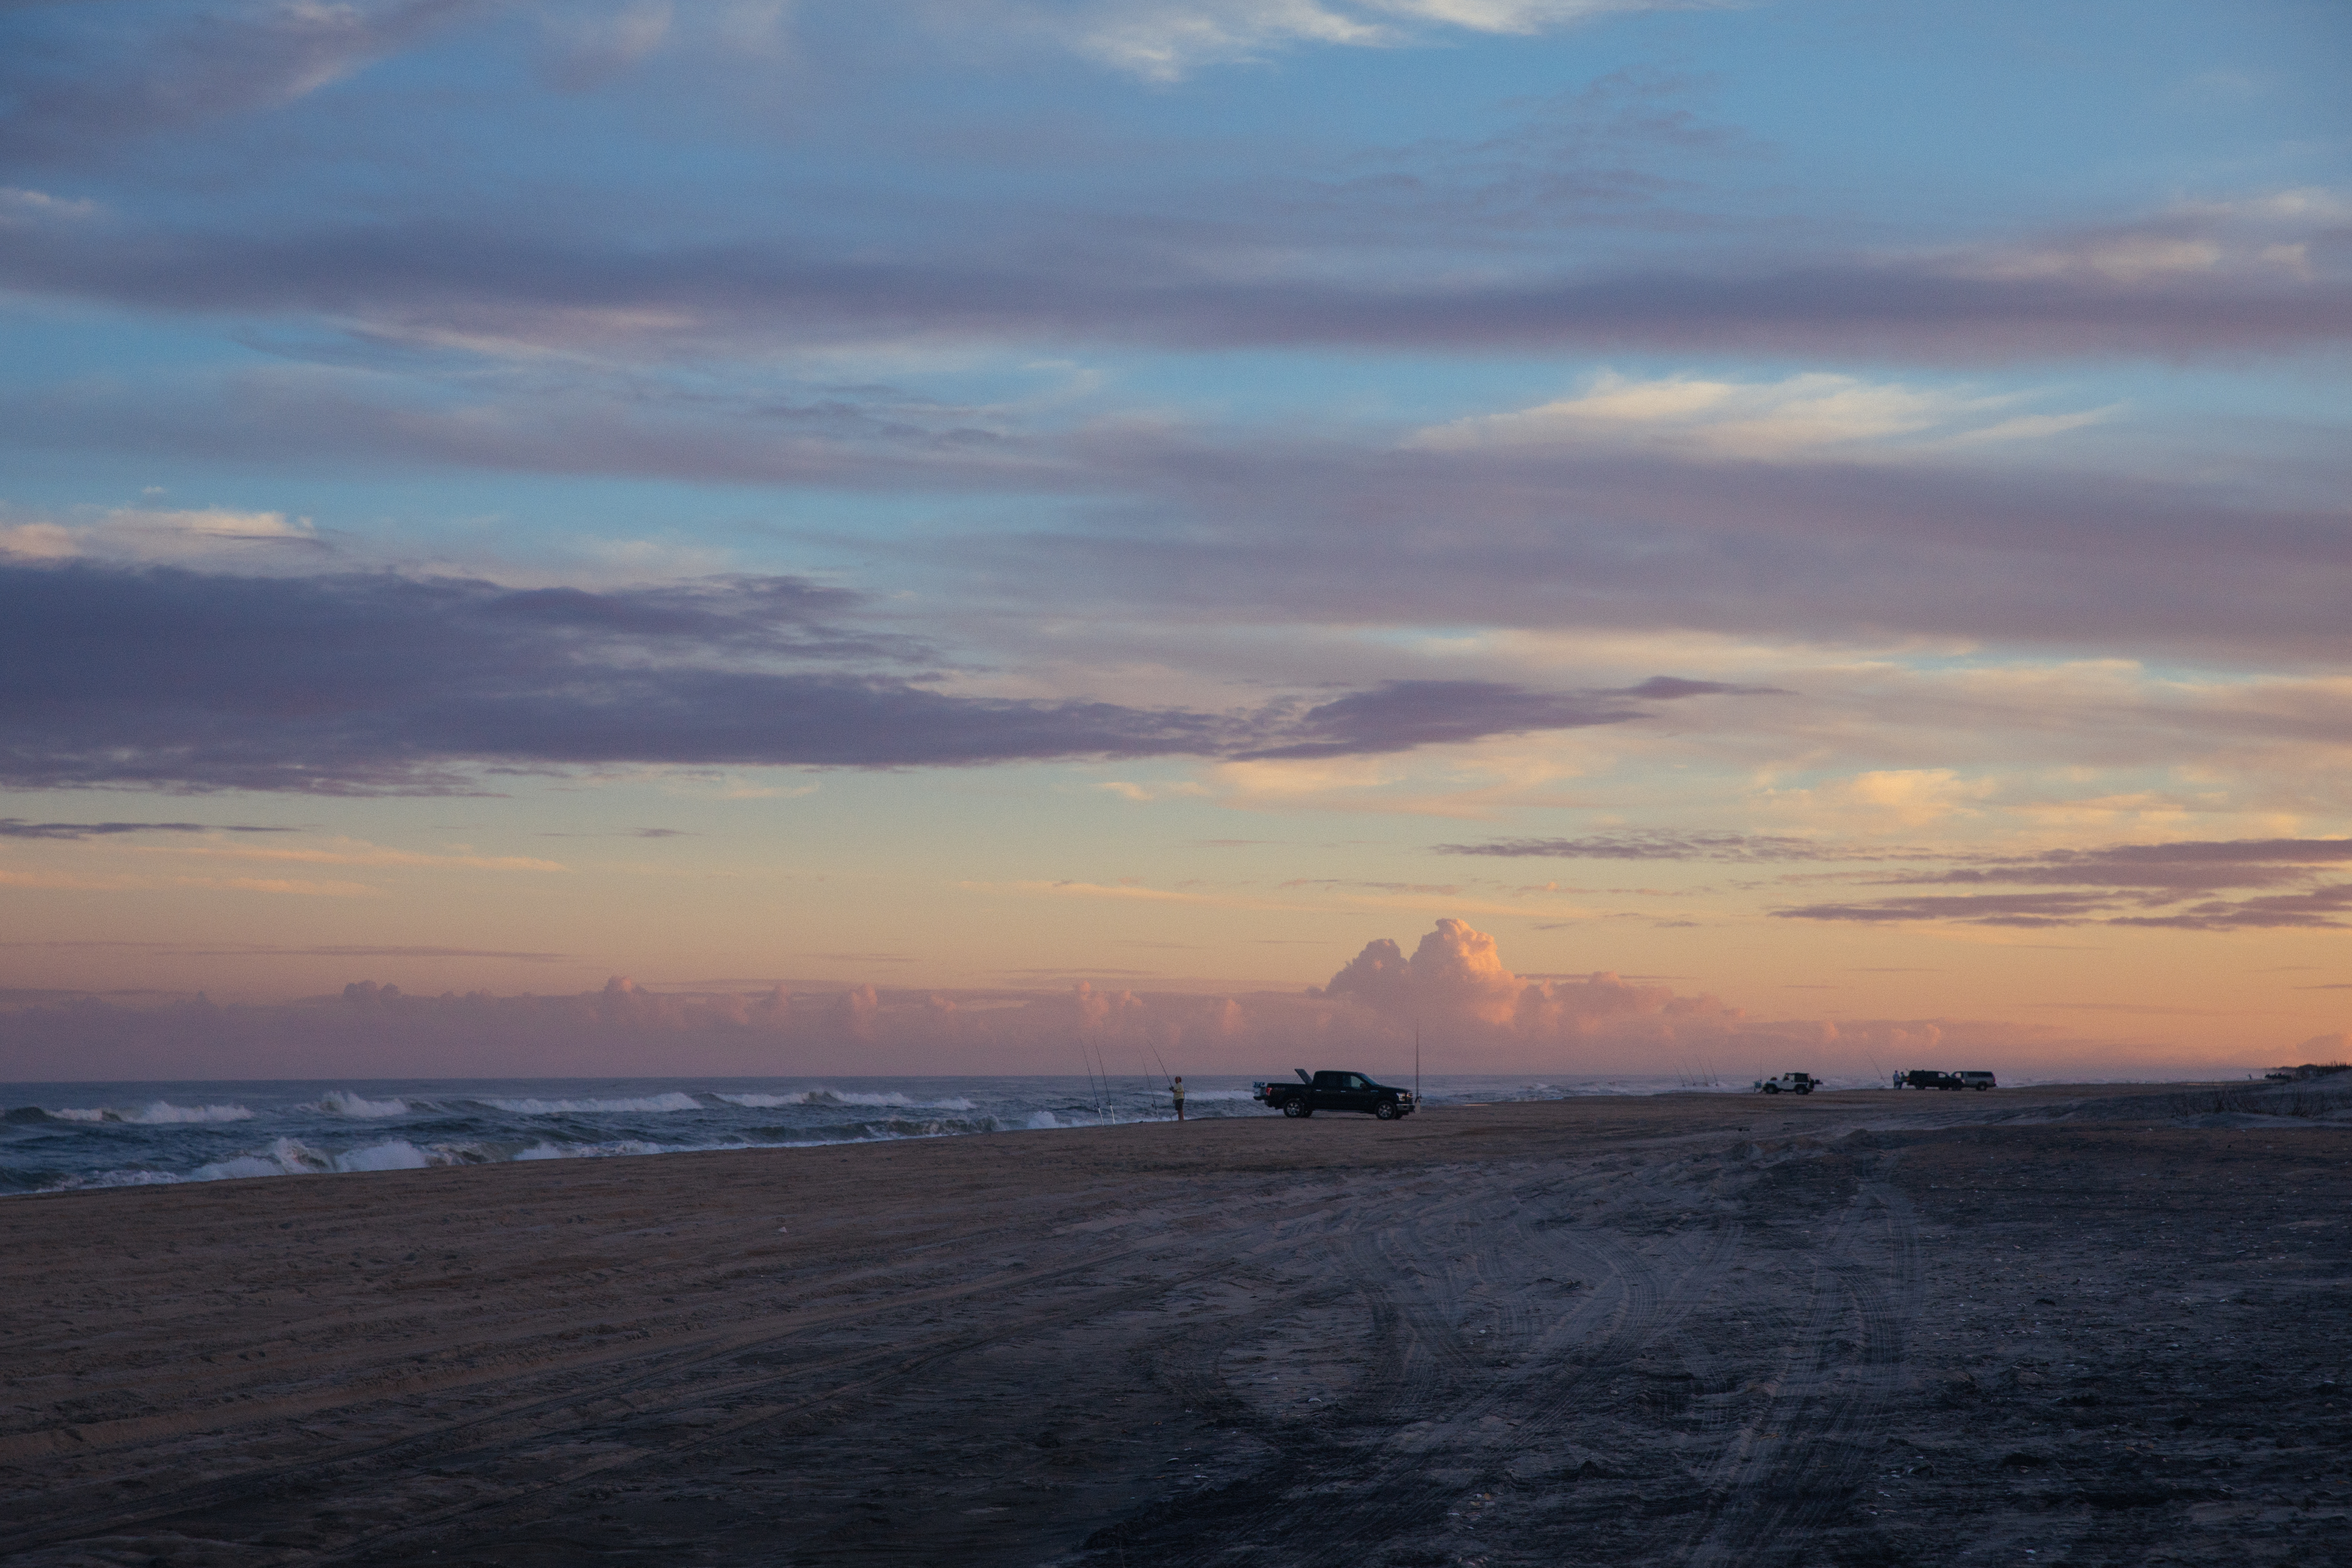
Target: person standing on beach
[1177, 1089]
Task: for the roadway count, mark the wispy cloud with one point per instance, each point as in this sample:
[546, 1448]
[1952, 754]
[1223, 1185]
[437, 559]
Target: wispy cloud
[1660, 845]
[154, 534]
[1803, 418]
[17, 827]
[72, 85]
[1399, 715]
[1163, 40]
[281, 950]
[476, 278]
[349, 853]
[2150, 885]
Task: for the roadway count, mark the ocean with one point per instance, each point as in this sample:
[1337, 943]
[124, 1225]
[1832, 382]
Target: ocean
[57, 1137]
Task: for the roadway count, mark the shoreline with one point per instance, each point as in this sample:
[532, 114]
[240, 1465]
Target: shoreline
[1684, 1327]
[164, 1133]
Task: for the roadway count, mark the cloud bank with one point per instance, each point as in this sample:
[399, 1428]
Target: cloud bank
[1472, 1015]
[473, 280]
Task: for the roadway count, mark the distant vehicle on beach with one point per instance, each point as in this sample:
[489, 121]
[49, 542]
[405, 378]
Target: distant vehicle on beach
[2308, 1073]
[1928, 1077]
[1788, 1083]
[1335, 1091]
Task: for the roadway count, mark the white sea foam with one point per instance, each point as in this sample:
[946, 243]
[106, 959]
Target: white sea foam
[608, 1151]
[764, 1101]
[888, 1101]
[655, 1102]
[1042, 1119]
[158, 1114]
[395, 1155]
[119, 1179]
[292, 1157]
[343, 1102]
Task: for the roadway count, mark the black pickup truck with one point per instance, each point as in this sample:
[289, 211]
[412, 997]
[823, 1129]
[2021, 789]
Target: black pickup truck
[1922, 1078]
[1334, 1091]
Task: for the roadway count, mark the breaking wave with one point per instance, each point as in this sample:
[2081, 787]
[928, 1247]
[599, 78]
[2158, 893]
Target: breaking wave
[160, 1113]
[343, 1102]
[889, 1100]
[656, 1104]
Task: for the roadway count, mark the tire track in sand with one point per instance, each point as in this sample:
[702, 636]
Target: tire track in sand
[505, 1430]
[1413, 1354]
[1416, 1282]
[1799, 1467]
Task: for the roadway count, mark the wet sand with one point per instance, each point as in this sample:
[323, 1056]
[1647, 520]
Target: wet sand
[1850, 1329]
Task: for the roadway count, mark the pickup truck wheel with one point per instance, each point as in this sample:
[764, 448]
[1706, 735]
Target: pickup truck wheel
[1294, 1108]
[1772, 1088]
[1386, 1111]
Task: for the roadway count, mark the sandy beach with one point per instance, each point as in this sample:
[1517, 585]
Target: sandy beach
[2053, 1325]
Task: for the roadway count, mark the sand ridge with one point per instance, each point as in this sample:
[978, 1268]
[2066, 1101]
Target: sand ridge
[1852, 1328]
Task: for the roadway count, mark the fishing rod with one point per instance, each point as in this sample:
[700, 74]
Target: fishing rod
[1094, 1078]
[1103, 1111]
[1164, 1076]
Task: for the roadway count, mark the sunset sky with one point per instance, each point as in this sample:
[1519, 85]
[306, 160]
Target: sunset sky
[1831, 513]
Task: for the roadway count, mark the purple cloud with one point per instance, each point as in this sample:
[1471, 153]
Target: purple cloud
[1545, 539]
[1656, 845]
[1305, 530]
[2132, 884]
[2321, 907]
[1102, 285]
[17, 827]
[1667, 688]
[2028, 909]
[373, 683]
[72, 89]
[1399, 715]
[2194, 867]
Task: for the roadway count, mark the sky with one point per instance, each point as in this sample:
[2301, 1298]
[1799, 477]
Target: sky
[769, 536]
